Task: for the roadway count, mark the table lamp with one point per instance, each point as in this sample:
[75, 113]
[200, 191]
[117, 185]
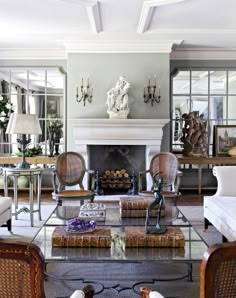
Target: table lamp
[24, 124]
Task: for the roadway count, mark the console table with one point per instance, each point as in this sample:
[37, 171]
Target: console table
[200, 161]
[34, 160]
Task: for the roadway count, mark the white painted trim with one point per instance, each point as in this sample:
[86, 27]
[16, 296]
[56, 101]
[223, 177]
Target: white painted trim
[21, 54]
[148, 10]
[120, 46]
[203, 54]
[94, 17]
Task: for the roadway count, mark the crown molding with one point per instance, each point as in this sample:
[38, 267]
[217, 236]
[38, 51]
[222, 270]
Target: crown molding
[204, 54]
[148, 10]
[35, 54]
[121, 46]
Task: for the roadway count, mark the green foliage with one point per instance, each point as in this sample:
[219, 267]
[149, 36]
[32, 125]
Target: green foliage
[31, 151]
[54, 121]
[5, 110]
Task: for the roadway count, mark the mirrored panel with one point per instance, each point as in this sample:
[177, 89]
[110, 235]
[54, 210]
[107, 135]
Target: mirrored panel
[218, 82]
[199, 82]
[34, 91]
[181, 83]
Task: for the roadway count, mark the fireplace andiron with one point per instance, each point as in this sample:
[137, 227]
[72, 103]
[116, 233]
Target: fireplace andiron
[158, 200]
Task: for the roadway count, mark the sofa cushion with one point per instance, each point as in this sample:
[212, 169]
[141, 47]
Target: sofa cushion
[226, 180]
[5, 203]
[222, 207]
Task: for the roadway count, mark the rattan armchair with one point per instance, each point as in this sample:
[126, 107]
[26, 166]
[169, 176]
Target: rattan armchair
[167, 165]
[22, 272]
[218, 271]
[69, 171]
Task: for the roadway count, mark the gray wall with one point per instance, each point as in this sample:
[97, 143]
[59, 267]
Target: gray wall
[104, 71]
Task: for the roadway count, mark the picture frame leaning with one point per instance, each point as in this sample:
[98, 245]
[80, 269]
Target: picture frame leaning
[225, 139]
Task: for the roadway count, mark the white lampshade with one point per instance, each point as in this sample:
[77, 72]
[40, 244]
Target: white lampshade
[24, 124]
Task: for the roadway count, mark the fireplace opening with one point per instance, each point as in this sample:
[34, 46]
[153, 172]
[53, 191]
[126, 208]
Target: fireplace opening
[116, 165]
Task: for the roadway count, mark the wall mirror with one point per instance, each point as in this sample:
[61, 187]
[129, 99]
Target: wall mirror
[211, 93]
[36, 90]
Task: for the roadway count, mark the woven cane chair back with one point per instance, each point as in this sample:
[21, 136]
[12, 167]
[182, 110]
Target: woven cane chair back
[21, 270]
[167, 165]
[218, 271]
[70, 169]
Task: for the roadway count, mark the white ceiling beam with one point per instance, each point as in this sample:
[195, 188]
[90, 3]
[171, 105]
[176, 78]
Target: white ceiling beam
[147, 12]
[94, 17]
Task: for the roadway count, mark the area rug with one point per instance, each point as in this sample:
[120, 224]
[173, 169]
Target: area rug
[121, 275]
[21, 228]
[194, 215]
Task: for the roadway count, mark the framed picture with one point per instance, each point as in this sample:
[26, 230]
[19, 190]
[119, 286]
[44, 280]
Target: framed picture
[225, 138]
[53, 106]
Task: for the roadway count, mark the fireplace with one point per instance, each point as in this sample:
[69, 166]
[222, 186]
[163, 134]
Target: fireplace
[134, 132]
[116, 164]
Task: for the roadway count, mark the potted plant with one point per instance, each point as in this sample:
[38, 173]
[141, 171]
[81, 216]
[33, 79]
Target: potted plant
[55, 125]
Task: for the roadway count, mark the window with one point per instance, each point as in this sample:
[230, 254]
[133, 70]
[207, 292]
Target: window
[211, 93]
[38, 91]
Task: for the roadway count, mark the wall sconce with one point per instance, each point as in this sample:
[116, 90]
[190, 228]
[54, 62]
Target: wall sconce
[86, 92]
[149, 93]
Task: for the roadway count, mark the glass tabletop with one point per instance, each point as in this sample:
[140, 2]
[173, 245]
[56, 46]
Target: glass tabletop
[172, 217]
[193, 249]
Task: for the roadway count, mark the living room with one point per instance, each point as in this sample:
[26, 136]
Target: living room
[91, 44]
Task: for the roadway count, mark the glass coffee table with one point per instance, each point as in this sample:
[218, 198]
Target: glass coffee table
[192, 251]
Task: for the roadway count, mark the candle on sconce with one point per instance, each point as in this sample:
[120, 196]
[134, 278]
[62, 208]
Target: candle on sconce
[82, 82]
[88, 81]
[144, 91]
[77, 90]
[155, 81]
[159, 91]
[149, 81]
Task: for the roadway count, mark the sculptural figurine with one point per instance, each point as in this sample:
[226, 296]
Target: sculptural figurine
[158, 200]
[117, 99]
[194, 136]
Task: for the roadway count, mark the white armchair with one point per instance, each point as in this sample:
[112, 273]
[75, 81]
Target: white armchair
[5, 211]
[220, 209]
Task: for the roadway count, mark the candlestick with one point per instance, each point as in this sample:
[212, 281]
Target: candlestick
[159, 91]
[155, 82]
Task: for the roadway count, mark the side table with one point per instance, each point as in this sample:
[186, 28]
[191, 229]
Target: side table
[32, 173]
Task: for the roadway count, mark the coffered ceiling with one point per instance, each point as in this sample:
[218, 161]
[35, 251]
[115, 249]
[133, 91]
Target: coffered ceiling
[56, 27]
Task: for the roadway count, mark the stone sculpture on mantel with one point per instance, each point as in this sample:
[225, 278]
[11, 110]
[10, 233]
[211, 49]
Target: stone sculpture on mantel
[117, 100]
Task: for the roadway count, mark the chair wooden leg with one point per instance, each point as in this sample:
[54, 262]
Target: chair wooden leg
[9, 225]
[206, 223]
[88, 291]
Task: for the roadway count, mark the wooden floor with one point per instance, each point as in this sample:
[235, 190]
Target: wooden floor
[189, 198]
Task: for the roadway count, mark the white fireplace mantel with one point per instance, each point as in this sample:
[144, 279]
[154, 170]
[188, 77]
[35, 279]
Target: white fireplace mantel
[148, 132]
[118, 131]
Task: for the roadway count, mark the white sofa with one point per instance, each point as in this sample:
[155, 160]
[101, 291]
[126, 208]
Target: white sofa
[5, 211]
[220, 209]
